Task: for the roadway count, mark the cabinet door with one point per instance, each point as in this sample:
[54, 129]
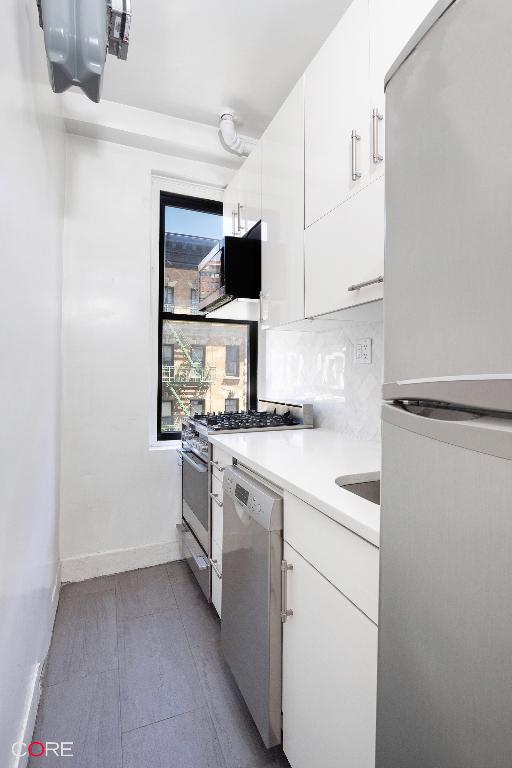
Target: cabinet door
[230, 203]
[249, 191]
[282, 248]
[336, 103]
[392, 24]
[329, 674]
[344, 249]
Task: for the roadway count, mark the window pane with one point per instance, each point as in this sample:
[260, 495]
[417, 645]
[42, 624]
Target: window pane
[231, 405]
[183, 252]
[196, 380]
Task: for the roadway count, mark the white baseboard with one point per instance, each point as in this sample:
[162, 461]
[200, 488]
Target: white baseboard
[34, 691]
[119, 560]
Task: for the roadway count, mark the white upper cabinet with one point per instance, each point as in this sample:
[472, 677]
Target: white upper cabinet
[336, 106]
[230, 208]
[392, 24]
[282, 248]
[242, 197]
[249, 190]
[345, 250]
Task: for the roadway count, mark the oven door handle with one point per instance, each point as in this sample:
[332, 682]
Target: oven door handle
[198, 466]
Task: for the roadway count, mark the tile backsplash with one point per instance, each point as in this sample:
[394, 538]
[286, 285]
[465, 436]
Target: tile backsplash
[316, 363]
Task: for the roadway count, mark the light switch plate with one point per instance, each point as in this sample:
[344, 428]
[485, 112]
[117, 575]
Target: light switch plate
[363, 351]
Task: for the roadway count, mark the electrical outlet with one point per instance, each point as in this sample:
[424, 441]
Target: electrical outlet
[363, 351]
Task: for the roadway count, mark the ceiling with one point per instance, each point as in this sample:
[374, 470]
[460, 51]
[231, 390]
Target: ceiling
[194, 58]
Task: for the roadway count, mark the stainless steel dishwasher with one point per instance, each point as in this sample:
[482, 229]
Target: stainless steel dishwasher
[251, 627]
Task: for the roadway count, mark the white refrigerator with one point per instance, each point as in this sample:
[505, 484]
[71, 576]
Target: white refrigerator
[445, 621]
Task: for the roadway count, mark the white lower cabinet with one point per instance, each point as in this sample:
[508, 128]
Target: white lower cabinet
[220, 461]
[217, 576]
[329, 674]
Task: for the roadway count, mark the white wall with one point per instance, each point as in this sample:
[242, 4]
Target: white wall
[316, 364]
[120, 499]
[31, 206]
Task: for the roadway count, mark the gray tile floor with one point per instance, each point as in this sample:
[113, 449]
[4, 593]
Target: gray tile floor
[136, 679]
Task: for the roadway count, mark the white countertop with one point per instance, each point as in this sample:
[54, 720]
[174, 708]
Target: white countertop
[306, 462]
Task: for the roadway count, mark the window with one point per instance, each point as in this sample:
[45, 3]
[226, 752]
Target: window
[196, 406]
[167, 416]
[198, 353]
[167, 354]
[194, 301]
[233, 360]
[193, 357]
[169, 298]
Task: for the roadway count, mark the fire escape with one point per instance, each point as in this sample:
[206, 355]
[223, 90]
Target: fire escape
[189, 379]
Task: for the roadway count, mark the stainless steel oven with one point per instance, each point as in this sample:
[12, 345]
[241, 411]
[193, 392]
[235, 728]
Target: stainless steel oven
[195, 497]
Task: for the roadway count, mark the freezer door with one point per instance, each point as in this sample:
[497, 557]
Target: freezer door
[445, 616]
[448, 264]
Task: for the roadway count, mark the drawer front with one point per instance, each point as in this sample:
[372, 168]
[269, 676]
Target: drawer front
[217, 577]
[350, 563]
[220, 460]
[217, 512]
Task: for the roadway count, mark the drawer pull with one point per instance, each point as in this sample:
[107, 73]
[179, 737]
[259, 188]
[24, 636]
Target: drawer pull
[217, 465]
[215, 497]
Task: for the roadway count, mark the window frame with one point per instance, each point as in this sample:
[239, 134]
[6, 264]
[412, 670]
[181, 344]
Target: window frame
[204, 205]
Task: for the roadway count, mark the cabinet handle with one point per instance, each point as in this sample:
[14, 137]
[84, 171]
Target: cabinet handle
[240, 206]
[213, 564]
[215, 497]
[376, 119]
[355, 138]
[263, 313]
[357, 286]
[285, 611]
[233, 220]
[217, 465]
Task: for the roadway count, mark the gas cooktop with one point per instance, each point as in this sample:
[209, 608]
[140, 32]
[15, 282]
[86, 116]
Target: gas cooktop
[277, 416]
[246, 420]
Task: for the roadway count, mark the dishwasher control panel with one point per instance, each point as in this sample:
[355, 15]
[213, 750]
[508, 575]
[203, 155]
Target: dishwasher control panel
[255, 498]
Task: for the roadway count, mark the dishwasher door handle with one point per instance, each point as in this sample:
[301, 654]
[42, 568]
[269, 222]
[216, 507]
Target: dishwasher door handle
[285, 611]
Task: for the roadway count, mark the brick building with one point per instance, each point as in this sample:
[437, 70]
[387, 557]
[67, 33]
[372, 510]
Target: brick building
[204, 365]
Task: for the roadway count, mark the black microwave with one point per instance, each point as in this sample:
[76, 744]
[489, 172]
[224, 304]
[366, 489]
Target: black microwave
[232, 270]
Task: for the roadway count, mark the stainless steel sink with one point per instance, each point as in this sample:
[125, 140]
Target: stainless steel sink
[366, 486]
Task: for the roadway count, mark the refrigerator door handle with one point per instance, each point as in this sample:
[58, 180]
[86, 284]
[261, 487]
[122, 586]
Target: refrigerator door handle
[475, 432]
